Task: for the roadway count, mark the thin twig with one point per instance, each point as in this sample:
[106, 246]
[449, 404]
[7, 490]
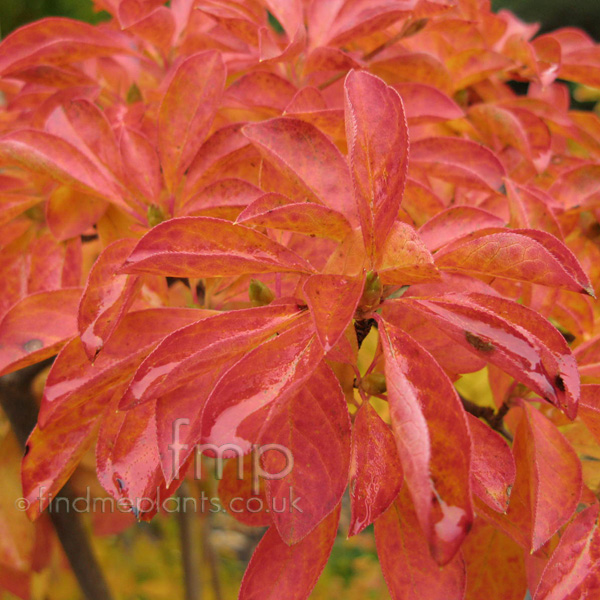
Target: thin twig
[20, 407]
[494, 419]
[410, 28]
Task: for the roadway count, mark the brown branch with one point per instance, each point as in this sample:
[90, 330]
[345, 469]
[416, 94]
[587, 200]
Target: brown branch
[494, 419]
[20, 407]
[190, 551]
[362, 328]
[211, 558]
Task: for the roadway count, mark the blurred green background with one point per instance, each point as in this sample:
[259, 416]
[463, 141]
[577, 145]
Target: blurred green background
[552, 14]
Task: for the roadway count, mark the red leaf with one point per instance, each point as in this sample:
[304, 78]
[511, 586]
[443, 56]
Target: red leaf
[515, 338]
[226, 153]
[237, 493]
[37, 327]
[260, 89]
[548, 483]
[589, 408]
[450, 356]
[364, 17]
[377, 137]
[308, 158]
[572, 571]
[192, 351]
[58, 41]
[223, 193]
[234, 17]
[53, 453]
[278, 212]
[127, 461]
[433, 441]
[52, 156]
[73, 380]
[275, 370]
[326, 58]
[141, 165]
[425, 103]
[458, 161]
[92, 132]
[407, 566]
[288, 13]
[53, 265]
[187, 111]
[530, 208]
[454, 223]
[157, 27]
[319, 447]
[277, 570]
[106, 297]
[375, 472]
[492, 466]
[522, 254]
[332, 300]
[208, 247]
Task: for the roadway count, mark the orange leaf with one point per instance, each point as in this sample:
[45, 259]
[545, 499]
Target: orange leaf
[187, 112]
[209, 247]
[332, 300]
[106, 297]
[526, 255]
[278, 212]
[308, 158]
[495, 567]
[58, 41]
[37, 327]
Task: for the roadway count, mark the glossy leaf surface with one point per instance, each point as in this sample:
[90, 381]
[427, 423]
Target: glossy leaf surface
[433, 441]
[207, 247]
[277, 569]
[375, 471]
[36, 327]
[400, 541]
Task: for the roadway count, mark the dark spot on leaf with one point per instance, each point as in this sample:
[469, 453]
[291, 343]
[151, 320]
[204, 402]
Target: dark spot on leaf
[33, 345]
[120, 484]
[478, 343]
[26, 450]
[559, 383]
